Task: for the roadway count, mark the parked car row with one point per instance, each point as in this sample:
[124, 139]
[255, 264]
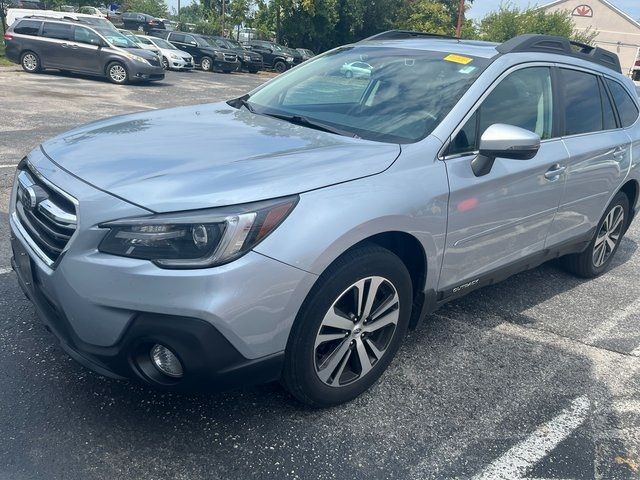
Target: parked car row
[44, 39]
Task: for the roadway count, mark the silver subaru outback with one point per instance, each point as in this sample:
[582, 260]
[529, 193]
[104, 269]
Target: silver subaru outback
[301, 229]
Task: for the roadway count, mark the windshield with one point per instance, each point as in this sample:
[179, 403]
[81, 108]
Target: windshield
[117, 39]
[234, 44]
[143, 40]
[378, 93]
[163, 44]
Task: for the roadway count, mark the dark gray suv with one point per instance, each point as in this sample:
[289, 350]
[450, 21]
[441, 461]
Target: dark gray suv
[39, 44]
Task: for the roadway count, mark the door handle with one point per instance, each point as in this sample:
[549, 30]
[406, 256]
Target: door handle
[619, 152]
[554, 172]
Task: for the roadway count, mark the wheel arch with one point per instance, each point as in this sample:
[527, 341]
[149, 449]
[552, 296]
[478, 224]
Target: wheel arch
[631, 190]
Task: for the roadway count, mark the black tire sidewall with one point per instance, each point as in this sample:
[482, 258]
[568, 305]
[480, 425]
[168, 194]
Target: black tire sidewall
[280, 67]
[165, 63]
[622, 200]
[300, 375]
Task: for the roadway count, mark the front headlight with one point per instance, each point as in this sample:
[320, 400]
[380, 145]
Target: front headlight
[136, 58]
[199, 239]
[289, 59]
[174, 56]
[219, 55]
[246, 58]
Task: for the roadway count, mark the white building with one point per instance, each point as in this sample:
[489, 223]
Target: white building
[617, 31]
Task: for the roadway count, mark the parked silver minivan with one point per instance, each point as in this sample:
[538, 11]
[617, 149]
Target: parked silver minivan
[301, 229]
[39, 43]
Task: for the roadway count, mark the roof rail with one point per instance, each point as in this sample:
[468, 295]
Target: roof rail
[49, 17]
[404, 35]
[563, 46]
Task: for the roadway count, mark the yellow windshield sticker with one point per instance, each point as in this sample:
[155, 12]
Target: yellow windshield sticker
[458, 59]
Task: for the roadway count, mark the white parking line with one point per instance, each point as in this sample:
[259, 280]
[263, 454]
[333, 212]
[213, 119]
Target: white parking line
[8, 165]
[517, 461]
[4, 270]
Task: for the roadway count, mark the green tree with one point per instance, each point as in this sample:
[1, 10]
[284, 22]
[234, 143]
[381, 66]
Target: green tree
[157, 8]
[509, 21]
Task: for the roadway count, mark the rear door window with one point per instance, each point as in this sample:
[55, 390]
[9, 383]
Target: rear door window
[60, 31]
[178, 37]
[626, 106]
[28, 27]
[583, 112]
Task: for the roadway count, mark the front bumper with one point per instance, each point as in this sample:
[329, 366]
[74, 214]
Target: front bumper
[140, 72]
[225, 66]
[107, 311]
[252, 65]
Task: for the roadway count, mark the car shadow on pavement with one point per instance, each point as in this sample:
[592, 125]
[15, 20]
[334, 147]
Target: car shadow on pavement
[93, 78]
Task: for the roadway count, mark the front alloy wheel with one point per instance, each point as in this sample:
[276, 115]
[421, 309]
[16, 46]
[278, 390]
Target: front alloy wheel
[356, 331]
[117, 73]
[206, 64]
[349, 328]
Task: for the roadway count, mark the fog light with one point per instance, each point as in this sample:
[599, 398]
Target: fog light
[166, 361]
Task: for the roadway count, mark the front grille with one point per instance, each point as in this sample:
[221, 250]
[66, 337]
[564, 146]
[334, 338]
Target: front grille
[228, 57]
[46, 214]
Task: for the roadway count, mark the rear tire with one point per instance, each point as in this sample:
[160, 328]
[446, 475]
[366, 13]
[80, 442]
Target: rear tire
[117, 73]
[597, 257]
[280, 66]
[30, 62]
[253, 71]
[349, 328]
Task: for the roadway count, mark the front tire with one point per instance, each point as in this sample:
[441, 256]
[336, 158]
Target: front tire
[117, 73]
[280, 67]
[30, 62]
[597, 257]
[165, 63]
[349, 327]
[206, 64]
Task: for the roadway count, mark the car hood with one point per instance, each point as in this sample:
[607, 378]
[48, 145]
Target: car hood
[211, 155]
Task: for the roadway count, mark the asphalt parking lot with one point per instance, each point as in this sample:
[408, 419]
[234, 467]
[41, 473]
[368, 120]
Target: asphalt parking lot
[537, 377]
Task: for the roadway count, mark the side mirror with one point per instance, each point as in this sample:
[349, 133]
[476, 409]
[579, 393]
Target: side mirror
[505, 141]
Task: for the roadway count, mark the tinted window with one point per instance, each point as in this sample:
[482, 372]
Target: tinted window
[523, 99]
[84, 35]
[178, 37]
[626, 107]
[28, 27]
[583, 106]
[608, 113]
[57, 30]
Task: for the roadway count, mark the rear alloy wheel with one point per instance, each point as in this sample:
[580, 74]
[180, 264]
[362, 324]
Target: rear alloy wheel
[206, 64]
[280, 67]
[349, 327]
[165, 63]
[598, 255]
[30, 62]
[117, 73]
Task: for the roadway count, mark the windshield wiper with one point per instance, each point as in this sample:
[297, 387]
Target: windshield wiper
[242, 101]
[305, 122]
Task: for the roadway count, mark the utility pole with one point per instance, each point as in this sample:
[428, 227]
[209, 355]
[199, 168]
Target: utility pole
[460, 19]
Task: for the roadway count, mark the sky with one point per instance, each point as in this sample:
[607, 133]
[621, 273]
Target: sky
[481, 7]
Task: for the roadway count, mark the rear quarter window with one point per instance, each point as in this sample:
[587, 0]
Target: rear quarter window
[583, 105]
[626, 106]
[28, 27]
